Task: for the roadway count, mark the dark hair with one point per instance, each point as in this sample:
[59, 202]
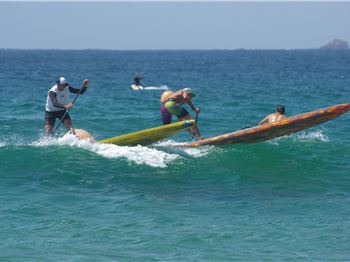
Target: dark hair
[137, 76]
[280, 109]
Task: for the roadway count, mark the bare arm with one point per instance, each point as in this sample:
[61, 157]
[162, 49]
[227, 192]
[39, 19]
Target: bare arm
[264, 121]
[188, 100]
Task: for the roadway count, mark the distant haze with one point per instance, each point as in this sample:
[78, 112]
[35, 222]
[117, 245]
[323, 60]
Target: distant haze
[173, 25]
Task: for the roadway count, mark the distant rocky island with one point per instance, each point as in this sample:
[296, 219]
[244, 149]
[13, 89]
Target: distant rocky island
[336, 44]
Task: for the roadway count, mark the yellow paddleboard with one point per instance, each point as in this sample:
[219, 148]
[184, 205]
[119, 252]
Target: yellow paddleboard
[149, 136]
[136, 87]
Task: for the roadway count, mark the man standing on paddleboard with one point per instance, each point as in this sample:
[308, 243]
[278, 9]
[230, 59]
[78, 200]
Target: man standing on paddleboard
[174, 105]
[57, 104]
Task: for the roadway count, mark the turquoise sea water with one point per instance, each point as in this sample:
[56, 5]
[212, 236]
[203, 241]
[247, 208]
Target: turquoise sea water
[67, 200]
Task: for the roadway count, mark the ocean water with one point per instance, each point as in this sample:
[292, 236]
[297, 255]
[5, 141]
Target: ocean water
[68, 200]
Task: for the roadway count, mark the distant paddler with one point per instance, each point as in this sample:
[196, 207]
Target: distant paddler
[174, 105]
[274, 117]
[166, 115]
[137, 82]
[58, 104]
[138, 86]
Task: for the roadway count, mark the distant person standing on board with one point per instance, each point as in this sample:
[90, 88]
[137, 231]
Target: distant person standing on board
[274, 117]
[166, 115]
[137, 82]
[174, 105]
[57, 103]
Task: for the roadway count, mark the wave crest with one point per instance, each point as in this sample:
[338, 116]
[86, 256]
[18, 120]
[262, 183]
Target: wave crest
[159, 155]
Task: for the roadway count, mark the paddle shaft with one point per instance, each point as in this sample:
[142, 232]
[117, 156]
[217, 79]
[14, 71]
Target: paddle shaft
[65, 113]
[195, 123]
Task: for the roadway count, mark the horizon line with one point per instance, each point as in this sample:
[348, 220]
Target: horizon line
[168, 49]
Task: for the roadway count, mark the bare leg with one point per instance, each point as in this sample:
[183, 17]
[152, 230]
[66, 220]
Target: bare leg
[69, 125]
[194, 128]
[48, 130]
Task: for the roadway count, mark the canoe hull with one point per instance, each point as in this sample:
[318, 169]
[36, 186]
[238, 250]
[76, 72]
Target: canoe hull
[285, 127]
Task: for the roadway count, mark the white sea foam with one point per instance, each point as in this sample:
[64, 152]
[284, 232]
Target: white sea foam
[159, 155]
[13, 140]
[164, 87]
[312, 136]
[304, 136]
[176, 147]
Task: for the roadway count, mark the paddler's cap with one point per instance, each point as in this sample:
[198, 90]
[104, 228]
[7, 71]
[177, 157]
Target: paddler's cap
[62, 81]
[280, 109]
[137, 76]
[189, 91]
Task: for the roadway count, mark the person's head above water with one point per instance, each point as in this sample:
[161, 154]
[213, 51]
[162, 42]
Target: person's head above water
[189, 92]
[280, 109]
[137, 77]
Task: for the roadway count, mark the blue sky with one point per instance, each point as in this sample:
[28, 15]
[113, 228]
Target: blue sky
[172, 25]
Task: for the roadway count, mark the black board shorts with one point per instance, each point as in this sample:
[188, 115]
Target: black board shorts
[50, 117]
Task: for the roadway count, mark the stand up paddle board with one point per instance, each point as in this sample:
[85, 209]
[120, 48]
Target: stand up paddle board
[139, 87]
[149, 136]
[284, 127]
